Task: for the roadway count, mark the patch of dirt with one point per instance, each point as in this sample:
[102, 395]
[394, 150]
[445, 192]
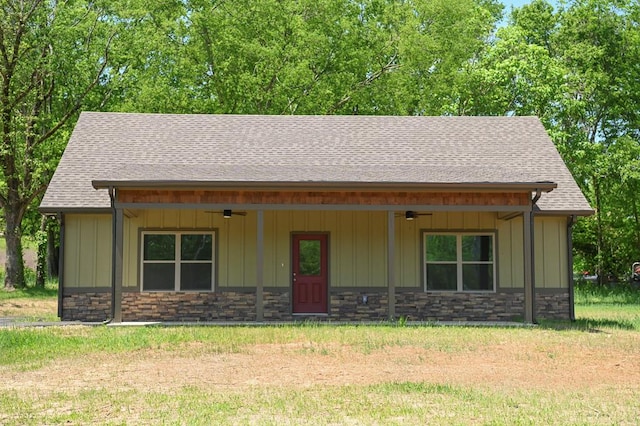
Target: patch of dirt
[300, 365]
[28, 308]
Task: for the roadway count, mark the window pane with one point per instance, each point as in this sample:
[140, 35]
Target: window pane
[195, 276]
[159, 276]
[159, 247]
[442, 277]
[477, 248]
[477, 277]
[441, 248]
[309, 257]
[196, 247]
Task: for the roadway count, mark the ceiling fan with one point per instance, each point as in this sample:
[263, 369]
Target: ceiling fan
[227, 213]
[411, 215]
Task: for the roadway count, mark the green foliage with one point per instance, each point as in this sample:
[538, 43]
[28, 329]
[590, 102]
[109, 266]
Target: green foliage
[50, 290]
[588, 293]
[53, 57]
[573, 65]
[299, 57]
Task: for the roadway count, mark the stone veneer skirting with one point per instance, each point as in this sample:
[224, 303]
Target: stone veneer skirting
[88, 307]
[344, 306]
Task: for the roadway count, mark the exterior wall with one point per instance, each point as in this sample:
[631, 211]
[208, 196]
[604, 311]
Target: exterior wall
[358, 254]
[87, 246]
[552, 268]
[235, 247]
[86, 306]
[189, 306]
[510, 253]
[409, 268]
[502, 306]
[357, 246]
[550, 245]
[345, 305]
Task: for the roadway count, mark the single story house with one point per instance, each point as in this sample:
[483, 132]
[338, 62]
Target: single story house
[345, 218]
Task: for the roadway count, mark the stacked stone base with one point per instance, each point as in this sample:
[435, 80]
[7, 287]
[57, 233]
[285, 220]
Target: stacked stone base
[501, 306]
[351, 306]
[189, 306]
[87, 307]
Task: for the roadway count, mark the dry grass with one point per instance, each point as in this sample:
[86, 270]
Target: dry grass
[29, 308]
[327, 375]
[587, 372]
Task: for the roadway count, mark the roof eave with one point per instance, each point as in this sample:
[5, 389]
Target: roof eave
[51, 211]
[314, 185]
[579, 212]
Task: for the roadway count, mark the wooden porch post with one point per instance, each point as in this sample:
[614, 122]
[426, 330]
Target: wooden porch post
[119, 238]
[529, 270]
[391, 262]
[260, 268]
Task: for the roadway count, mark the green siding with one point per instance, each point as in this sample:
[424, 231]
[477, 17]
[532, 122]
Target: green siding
[87, 257]
[357, 246]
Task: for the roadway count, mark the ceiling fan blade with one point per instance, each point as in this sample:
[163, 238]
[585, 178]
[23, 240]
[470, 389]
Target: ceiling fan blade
[233, 213]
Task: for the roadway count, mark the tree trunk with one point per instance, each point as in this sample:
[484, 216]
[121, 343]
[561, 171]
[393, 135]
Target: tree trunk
[52, 249]
[600, 232]
[41, 266]
[14, 263]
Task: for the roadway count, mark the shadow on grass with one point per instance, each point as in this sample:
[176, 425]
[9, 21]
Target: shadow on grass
[49, 291]
[589, 325]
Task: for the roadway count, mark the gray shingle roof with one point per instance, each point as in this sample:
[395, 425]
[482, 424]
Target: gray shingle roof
[318, 150]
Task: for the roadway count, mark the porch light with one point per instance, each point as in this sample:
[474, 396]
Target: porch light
[226, 214]
[409, 215]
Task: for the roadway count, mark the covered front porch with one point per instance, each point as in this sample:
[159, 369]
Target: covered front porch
[371, 263]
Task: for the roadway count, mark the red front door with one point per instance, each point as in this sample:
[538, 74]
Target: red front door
[310, 273]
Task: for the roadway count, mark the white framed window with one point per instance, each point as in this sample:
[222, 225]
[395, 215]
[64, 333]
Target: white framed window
[459, 261]
[177, 261]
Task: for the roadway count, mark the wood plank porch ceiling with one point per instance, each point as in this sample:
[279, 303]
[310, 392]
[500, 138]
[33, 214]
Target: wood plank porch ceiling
[363, 198]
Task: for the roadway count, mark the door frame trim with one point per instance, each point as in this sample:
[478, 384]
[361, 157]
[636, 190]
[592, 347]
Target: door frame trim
[292, 234]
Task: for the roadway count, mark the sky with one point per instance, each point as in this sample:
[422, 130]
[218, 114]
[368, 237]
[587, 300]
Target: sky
[514, 3]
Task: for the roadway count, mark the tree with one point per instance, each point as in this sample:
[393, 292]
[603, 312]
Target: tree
[576, 67]
[598, 116]
[303, 57]
[270, 57]
[52, 54]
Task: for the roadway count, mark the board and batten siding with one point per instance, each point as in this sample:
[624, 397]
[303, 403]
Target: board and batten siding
[87, 251]
[234, 249]
[357, 246]
[551, 252]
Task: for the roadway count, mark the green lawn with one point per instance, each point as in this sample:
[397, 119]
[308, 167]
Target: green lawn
[49, 292]
[586, 372]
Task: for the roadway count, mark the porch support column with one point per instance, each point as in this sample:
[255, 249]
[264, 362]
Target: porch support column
[529, 272]
[61, 258]
[118, 261]
[391, 263]
[572, 310]
[260, 267]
